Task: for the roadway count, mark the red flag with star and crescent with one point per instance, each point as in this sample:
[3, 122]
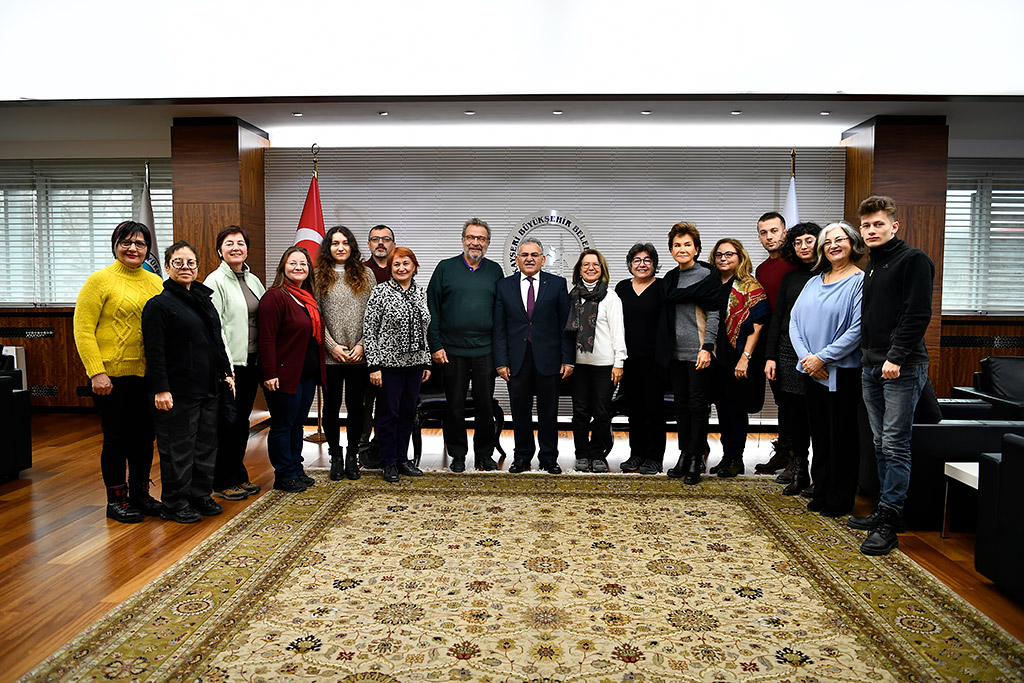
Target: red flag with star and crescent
[310, 233]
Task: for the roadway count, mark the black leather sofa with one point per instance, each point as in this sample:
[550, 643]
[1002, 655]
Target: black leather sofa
[999, 541]
[1000, 383]
[15, 422]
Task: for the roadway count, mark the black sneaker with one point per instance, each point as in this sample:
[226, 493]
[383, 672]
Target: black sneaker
[307, 480]
[291, 485]
[649, 467]
[408, 469]
[186, 515]
[582, 465]
[633, 464]
[207, 506]
[487, 464]
[390, 473]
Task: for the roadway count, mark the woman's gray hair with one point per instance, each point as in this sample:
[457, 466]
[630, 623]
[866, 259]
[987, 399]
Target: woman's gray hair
[858, 248]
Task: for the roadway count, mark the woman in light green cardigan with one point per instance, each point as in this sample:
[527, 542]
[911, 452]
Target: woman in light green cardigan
[236, 296]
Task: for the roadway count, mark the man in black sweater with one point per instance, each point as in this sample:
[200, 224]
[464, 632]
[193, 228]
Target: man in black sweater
[895, 312]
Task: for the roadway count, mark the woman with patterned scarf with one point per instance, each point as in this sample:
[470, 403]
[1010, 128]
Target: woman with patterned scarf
[395, 337]
[595, 315]
[738, 387]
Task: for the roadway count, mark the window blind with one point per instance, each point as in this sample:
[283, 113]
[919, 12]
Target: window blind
[984, 237]
[56, 217]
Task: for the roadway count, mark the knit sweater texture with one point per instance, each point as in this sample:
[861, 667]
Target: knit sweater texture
[343, 311]
[695, 327]
[108, 320]
[461, 305]
[395, 327]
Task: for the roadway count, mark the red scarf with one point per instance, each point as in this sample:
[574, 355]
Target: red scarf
[307, 300]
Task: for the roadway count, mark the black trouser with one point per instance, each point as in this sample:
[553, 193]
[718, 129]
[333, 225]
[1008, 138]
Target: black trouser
[186, 436]
[643, 388]
[592, 410]
[522, 387]
[691, 389]
[457, 373]
[733, 421]
[127, 431]
[793, 414]
[835, 437]
[233, 437]
[786, 435]
[352, 380]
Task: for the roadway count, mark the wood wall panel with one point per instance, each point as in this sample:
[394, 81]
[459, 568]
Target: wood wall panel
[915, 160]
[253, 197]
[860, 156]
[199, 224]
[54, 371]
[204, 162]
[968, 339]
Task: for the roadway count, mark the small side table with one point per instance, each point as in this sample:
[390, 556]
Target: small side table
[963, 472]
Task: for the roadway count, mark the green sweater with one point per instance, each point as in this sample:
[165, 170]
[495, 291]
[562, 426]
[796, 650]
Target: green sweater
[108, 320]
[461, 305]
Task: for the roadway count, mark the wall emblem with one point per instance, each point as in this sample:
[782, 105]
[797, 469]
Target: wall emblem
[562, 235]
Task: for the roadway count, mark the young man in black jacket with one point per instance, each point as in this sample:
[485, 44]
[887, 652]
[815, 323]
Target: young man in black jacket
[895, 312]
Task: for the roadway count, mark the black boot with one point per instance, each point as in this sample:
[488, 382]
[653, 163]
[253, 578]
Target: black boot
[786, 476]
[871, 521]
[338, 463]
[779, 460]
[678, 471]
[351, 465]
[696, 465]
[883, 540]
[139, 498]
[801, 477]
[118, 507]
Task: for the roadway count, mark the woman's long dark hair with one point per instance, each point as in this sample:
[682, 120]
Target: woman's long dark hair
[355, 271]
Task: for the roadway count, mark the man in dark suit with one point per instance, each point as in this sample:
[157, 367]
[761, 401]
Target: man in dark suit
[533, 353]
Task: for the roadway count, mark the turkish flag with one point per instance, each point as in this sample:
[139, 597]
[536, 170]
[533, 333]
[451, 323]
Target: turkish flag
[310, 232]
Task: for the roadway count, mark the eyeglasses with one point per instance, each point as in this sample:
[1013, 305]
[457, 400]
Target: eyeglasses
[385, 239]
[806, 242]
[181, 264]
[642, 262]
[590, 266]
[297, 264]
[475, 238]
[724, 254]
[128, 244]
[837, 241]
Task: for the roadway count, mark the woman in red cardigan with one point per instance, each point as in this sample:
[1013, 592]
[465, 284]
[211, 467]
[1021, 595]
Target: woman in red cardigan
[291, 334]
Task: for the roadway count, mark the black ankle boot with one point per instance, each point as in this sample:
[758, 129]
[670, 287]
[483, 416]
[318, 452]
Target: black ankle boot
[882, 540]
[779, 460]
[352, 465]
[118, 507]
[139, 498]
[678, 471]
[693, 470]
[337, 464]
[801, 477]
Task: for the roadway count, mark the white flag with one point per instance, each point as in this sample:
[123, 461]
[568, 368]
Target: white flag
[152, 263]
[790, 212]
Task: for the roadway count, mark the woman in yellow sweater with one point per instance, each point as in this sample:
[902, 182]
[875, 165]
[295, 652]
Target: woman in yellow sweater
[108, 334]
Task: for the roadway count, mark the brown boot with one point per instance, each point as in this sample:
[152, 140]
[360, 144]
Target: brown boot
[787, 474]
[801, 477]
[779, 460]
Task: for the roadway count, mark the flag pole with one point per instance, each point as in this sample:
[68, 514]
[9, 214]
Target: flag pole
[792, 163]
[320, 436]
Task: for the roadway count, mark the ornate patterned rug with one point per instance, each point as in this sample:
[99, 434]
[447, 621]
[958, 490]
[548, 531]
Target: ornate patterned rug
[495, 578]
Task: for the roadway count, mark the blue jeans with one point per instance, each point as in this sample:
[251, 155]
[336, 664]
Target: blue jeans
[287, 416]
[890, 406]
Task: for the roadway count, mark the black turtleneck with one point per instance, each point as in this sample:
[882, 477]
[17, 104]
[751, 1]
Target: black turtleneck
[897, 304]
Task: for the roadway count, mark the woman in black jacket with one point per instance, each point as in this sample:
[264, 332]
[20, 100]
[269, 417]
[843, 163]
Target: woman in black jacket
[185, 365]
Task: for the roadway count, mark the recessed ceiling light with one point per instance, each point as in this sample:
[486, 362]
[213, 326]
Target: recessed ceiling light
[557, 112]
[382, 113]
[469, 112]
[646, 112]
[296, 113]
[736, 112]
[826, 113]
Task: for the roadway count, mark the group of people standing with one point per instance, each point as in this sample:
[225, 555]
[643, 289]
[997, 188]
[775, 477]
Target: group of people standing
[183, 359]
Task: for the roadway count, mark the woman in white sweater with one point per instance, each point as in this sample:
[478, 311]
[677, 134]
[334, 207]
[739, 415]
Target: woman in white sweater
[595, 315]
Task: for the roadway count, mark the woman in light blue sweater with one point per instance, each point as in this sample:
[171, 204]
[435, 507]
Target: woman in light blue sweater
[824, 327]
[236, 296]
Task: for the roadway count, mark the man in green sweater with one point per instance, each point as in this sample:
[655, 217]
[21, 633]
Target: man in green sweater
[461, 301]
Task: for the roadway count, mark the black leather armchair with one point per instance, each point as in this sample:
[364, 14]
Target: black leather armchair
[15, 422]
[999, 541]
[1000, 382]
[431, 409]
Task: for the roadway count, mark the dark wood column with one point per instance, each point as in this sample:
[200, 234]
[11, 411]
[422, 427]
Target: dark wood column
[217, 176]
[905, 157]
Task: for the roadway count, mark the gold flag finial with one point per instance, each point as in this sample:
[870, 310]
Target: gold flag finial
[315, 149]
[792, 163]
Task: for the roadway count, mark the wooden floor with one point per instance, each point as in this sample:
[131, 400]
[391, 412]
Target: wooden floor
[63, 564]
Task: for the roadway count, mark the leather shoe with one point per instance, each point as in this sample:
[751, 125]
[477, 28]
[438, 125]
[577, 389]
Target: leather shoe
[486, 464]
[553, 468]
[408, 469]
[307, 480]
[518, 466]
[816, 504]
[291, 485]
[390, 473]
[678, 470]
[207, 507]
[458, 464]
[730, 468]
[186, 515]
[693, 471]
[633, 464]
